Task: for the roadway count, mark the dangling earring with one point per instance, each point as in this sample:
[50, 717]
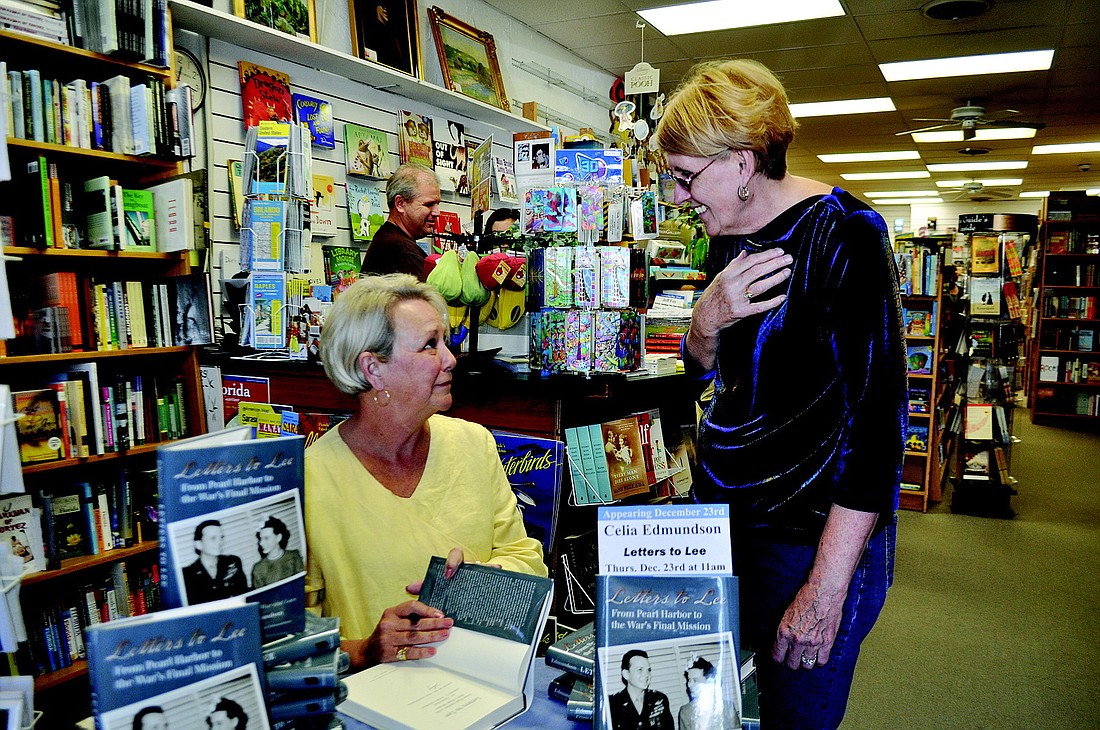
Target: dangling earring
[382, 402]
[743, 193]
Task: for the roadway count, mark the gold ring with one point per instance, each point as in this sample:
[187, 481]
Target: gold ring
[401, 653]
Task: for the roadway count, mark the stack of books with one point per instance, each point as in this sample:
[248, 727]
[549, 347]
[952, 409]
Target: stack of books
[576, 655]
[302, 674]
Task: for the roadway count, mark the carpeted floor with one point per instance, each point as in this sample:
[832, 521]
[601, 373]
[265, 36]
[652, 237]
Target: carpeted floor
[996, 623]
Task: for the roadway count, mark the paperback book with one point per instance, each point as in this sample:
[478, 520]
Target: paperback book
[623, 452]
[534, 468]
[38, 429]
[414, 138]
[650, 631]
[140, 219]
[449, 150]
[266, 315]
[178, 664]
[231, 524]
[322, 208]
[21, 531]
[316, 115]
[482, 675]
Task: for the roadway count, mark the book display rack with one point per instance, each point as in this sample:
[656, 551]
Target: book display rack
[115, 383]
[1064, 362]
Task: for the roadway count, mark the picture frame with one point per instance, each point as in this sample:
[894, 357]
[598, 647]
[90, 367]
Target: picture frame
[293, 17]
[468, 58]
[386, 32]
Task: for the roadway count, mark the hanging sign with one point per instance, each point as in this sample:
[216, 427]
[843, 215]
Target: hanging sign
[642, 79]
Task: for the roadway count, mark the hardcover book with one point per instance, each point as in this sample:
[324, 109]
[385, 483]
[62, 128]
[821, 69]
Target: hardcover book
[193, 662]
[919, 359]
[342, 267]
[575, 653]
[652, 631]
[366, 151]
[265, 95]
[622, 451]
[985, 254]
[449, 150]
[985, 296]
[482, 675]
[231, 524]
[140, 219]
[534, 468]
[366, 208]
[322, 209]
[414, 138]
[316, 115]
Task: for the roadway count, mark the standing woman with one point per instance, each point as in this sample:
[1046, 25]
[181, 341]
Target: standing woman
[398, 483]
[801, 330]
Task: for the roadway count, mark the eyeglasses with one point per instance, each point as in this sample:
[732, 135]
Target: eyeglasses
[686, 181]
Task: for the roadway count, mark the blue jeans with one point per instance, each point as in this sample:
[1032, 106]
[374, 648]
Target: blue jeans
[770, 575]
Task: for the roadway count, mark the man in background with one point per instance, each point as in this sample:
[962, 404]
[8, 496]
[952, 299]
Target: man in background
[412, 193]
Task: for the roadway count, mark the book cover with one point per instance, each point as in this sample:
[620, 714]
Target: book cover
[919, 399]
[985, 296]
[366, 152]
[322, 208]
[193, 662]
[236, 190]
[21, 531]
[267, 310]
[316, 115]
[366, 208]
[174, 224]
[414, 139]
[1048, 368]
[985, 254]
[140, 219]
[600, 468]
[263, 236]
[70, 529]
[268, 165]
[505, 174]
[449, 150]
[919, 358]
[916, 438]
[622, 451]
[38, 429]
[534, 469]
[651, 632]
[979, 421]
[231, 524]
[190, 307]
[481, 675]
[265, 95]
[238, 388]
[583, 492]
[342, 267]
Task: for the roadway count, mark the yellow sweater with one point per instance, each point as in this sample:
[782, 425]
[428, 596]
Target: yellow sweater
[365, 544]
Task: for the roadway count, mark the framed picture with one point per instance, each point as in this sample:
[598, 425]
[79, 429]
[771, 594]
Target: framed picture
[295, 17]
[386, 31]
[468, 57]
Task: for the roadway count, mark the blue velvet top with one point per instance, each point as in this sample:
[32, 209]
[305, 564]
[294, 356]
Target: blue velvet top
[810, 403]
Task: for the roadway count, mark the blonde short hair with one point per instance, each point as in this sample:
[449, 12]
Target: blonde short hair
[361, 320]
[727, 105]
[406, 180]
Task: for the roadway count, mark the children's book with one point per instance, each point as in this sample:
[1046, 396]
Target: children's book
[342, 267]
[449, 157]
[660, 627]
[21, 528]
[265, 95]
[916, 438]
[534, 469]
[322, 208]
[316, 115]
[231, 524]
[177, 666]
[140, 219]
[482, 675]
[919, 359]
[505, 172]
[414, 138]
[366, 152]
[366, 208]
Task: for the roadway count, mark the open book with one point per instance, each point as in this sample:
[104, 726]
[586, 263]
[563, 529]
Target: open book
[481, 675]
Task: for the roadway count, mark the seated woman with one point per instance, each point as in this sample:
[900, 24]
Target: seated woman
[397, 483]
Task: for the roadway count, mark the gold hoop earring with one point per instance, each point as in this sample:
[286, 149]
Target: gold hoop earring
[382, 402]
[743, 193]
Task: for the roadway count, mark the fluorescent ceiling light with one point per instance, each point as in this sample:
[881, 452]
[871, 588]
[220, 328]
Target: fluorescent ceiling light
[903, 194]
[980, 135]
[1092, 191]
[1035, 194]
[846, 106]
[724, 14]
[885, 175]
[989, 63]
[992, 182]
[973, 166]
[905, 201]
[1054, 149]
[871, 156]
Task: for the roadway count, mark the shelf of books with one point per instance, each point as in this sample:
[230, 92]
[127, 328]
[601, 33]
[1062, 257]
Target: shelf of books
[98, 361]
[1065, 362]
[920, 265]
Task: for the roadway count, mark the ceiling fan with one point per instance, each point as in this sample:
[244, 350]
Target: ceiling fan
[977, 192]
[969, 118]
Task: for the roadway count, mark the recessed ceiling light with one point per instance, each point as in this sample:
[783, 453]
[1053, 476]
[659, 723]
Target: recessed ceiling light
[912, 174]
[973, 166]
[905, 201]
[1035, 194]
[980, 135]
[845, 106]
[988, 63]
[987, 181]
[871, 156]
[1055, 149]
[724, 14]
[903, 194]
[954, 9]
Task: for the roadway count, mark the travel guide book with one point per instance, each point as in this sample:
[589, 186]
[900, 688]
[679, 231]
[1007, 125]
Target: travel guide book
[481, 675]
[231, 524]
[666, 624]
[186, 662]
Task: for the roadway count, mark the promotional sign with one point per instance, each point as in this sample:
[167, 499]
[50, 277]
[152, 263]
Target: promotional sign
[685, 539]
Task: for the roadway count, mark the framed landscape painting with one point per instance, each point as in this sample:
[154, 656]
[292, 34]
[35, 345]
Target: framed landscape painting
[386, 31]
[294, 17]
[468, 57]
